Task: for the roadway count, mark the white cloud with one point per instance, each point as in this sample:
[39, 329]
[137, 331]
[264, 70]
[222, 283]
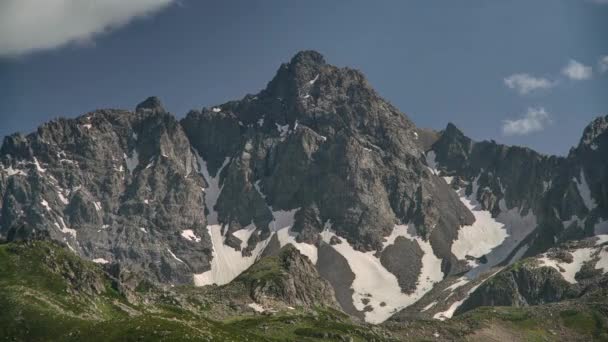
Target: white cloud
[534, 120]
[577, 71]
[603, 63]
[30, 25]
[525, 83]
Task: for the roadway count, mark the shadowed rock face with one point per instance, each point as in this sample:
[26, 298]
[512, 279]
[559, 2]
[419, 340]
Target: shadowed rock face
[553, 188]
[113, 185]
[334, 267]
[320, 138]
[289, 277]
[404, 260]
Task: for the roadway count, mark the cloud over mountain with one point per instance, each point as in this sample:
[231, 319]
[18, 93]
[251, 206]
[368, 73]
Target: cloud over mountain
[31, 25]
[534, 120]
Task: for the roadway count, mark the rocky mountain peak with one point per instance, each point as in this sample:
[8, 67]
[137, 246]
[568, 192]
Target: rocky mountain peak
[592, 133]
[307, 57]
[152, 103]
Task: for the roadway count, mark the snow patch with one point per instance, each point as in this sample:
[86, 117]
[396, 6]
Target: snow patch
[281, 225]
[45, 204]
[431, 162]
[188, 234]
[101, 261]
[38, 167]
[212, 192]
[428, 306]
[376, 284]
[283, 129]
[216, 109]
[495, 238]
[311, 82]
[12, 172]
[584, 191]
[603, 238]
[602, 263]
[174, 256]
[64, 229]
[97, 206]
[244, 235]
[256, 307]
[132, 161]
[569, 270]
[459, 282]
[450, 311]
[227, 263]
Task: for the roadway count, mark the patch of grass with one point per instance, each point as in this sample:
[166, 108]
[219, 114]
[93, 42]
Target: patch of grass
[584, 322]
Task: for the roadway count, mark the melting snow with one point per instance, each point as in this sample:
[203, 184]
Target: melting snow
[188, 234]
[256, 307]
[460, 282]
[244, 235]
[174, 256]
[450, 311]
[227, 263]
[282, 223]
[311, 82]
[212, 192]
[45, 204]
[584, 191]
[601, 239]
[430, 161]
[11, 172]
[495, 238]
[429, 306]
[602, 263]
[371, 278]
[579, 256]
[283, 129]
[132, 161]
[38, 167]
[64, 229]
[482, 236]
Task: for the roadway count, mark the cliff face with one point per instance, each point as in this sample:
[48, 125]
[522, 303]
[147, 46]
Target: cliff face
[114, 186]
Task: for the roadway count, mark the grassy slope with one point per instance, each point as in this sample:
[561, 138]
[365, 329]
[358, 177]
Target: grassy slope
[46, 295]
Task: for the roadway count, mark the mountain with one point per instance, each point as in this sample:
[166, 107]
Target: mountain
[314, 192]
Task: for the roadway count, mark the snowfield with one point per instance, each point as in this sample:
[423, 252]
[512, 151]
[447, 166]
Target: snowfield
[376, 284]
[496, 238]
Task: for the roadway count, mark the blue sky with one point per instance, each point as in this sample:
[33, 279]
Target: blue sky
[519, 72]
